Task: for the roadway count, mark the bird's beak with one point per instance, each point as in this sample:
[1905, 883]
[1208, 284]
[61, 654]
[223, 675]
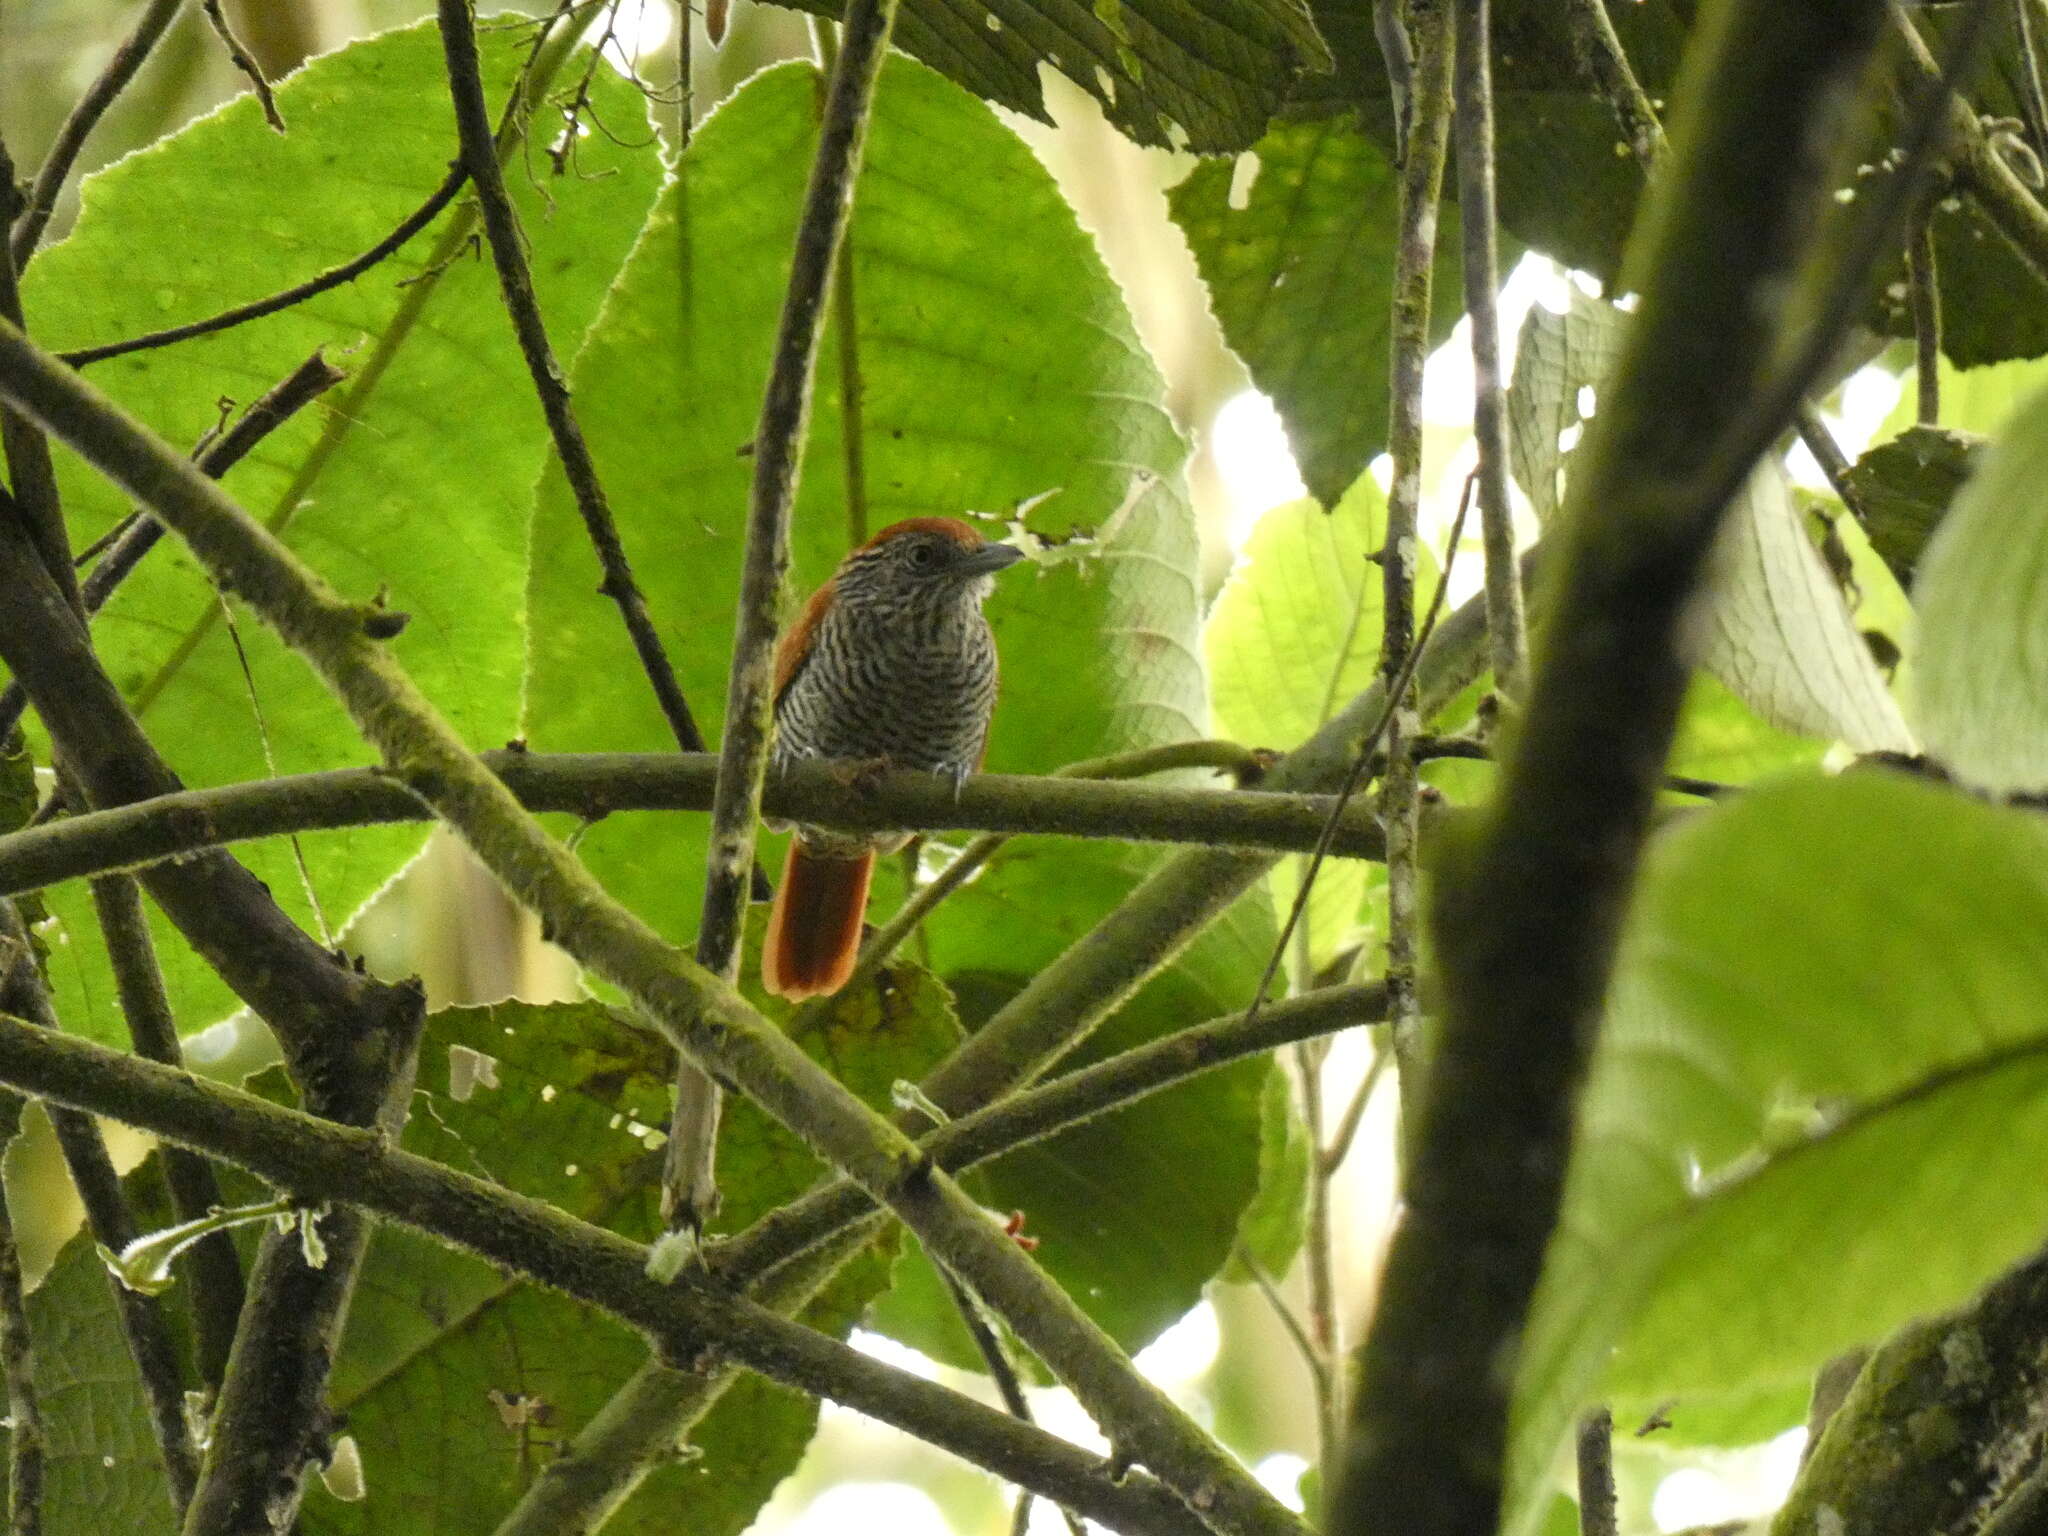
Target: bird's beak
[989, 559]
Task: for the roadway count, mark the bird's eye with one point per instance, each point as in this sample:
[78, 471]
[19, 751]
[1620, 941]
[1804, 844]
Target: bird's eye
[922, 555]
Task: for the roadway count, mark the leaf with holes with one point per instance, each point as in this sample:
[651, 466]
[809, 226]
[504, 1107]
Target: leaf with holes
[1825, 1062]
[413, 479]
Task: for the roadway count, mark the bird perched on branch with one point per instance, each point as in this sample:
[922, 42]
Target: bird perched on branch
[890, 661]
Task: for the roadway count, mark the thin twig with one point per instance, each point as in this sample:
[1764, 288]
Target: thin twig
[211, 1265]
[285, 298]
[243, 60]
[34, 217]
[25, 1437]
[1325, 1334]
[140, 532]
[1002, 1370]
[1434, 748]
[1923, 283]
[1507, 623]
[24, 994]
[1330, 1157]
[1399, 798]
[1600, 56]
[1596, 1474]
[1318, 1360]
[689, 1186]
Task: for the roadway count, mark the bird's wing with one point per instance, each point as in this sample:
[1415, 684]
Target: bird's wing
[798, 641]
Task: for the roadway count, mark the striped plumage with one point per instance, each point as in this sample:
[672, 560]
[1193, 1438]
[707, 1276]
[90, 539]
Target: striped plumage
[891, 660]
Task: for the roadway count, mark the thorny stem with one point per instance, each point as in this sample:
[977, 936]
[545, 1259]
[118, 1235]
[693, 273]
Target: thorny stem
[689, 1191]
[1408, 347]
[1507, 624]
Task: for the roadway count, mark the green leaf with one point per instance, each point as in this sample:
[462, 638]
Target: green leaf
[1978, 400]
[101, 1467]
[413, 479]
[1906, 486]
[1164, 73]
[1814, 1106]
[997, 360]
[444, 1354]
[1980, 696]
[1781, 638]
[1295, 240]
[1272, 1225]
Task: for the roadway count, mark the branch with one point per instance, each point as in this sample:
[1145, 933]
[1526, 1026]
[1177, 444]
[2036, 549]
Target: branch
[1526, 920]
[211, 1265]
[1596, 1474]
[1408, 343]
[23, 993]
[85, 116]
[703, 1016]
[140, 533]
[174, 823]
[1506, 622]
[1600, 56]
[689, 1192]
[319, 1161]
[1877, 1469]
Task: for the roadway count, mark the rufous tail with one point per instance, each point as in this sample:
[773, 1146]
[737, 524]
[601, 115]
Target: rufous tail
[814, 926]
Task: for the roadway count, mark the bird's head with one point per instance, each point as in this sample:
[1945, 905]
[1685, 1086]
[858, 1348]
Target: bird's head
[923, 560]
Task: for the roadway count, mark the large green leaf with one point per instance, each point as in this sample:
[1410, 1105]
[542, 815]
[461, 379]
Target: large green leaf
[1980, 697]
[1815, 1104]
[414, 479]
[997, 360]
[1295, 240]
[1781, 637]
[563, 1112]
[1166, 73]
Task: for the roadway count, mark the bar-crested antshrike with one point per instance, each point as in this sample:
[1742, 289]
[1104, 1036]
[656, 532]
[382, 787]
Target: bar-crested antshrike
[891, 661]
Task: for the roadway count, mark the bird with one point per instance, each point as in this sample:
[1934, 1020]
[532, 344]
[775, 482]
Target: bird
[891, 661]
